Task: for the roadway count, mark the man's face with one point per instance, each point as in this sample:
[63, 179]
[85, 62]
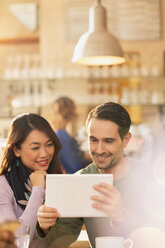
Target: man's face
[105, 144]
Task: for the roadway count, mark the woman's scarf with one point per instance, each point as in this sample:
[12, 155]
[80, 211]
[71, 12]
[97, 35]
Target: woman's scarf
[18, 178]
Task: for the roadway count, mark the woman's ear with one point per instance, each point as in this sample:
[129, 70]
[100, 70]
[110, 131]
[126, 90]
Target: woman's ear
[16, 151]
[126, 139]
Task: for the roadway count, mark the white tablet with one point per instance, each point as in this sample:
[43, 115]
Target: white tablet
[70, 194]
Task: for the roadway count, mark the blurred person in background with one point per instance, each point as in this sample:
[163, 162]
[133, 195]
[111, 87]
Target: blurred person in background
[30, 153]
[70, 156]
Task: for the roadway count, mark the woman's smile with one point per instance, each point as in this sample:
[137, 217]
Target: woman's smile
[43, 163]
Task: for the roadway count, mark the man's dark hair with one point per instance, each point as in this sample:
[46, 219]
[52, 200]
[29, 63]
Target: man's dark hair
[111, 111]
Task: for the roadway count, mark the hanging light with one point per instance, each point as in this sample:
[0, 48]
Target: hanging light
[98, 46]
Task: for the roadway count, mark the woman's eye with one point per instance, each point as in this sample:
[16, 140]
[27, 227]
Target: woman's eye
[35, 148]
[50, 144]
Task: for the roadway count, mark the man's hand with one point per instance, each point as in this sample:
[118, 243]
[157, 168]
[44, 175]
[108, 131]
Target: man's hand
[47, 217]
[7, 239]
[38, 178]
[109, 201]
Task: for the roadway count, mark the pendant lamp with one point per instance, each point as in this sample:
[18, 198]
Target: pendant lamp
[98, 46]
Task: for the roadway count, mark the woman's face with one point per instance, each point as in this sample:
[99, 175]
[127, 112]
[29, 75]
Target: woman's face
[36, 151]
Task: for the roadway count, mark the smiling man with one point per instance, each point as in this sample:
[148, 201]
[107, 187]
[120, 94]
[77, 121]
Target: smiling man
[108, 135]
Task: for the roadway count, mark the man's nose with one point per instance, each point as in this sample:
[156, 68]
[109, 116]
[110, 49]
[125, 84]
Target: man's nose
[100, 148]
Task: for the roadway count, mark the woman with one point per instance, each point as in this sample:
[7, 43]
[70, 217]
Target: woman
[71, 157]
[31, 152]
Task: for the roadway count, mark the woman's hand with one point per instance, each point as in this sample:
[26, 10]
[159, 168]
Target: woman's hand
[109, 201]
[7, 239]
[47, 217]
[38, 178]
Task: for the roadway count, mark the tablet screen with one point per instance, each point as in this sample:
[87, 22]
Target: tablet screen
[70, 194]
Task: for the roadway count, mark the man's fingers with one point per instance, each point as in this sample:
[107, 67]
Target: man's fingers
[47, 209]
[46, 226]
[103, 189]
[100, 199]
[48, 215]
[105, 185]
[48, 220]
[106, 189]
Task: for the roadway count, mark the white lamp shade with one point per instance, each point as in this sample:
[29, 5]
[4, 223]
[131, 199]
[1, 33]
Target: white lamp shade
[98, 46]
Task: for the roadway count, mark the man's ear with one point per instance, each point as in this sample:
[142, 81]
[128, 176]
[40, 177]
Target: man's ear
[126, 139]
[16, 151]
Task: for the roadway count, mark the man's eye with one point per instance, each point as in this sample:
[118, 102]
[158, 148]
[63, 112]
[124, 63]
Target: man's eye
[109, 141]
[93, 140]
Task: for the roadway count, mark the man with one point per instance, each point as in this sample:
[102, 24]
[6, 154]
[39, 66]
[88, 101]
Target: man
[108, 135]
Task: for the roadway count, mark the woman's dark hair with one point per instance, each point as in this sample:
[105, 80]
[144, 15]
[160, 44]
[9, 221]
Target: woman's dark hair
[20, 128]
[111, 111]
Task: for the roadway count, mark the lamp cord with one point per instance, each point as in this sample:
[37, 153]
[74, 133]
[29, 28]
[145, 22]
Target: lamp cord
[98, 1]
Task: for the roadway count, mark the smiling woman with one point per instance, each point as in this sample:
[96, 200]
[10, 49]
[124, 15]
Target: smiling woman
[36, 152]
[30, 152]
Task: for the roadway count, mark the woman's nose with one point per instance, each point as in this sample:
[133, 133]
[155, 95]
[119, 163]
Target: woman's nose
[43, 152]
